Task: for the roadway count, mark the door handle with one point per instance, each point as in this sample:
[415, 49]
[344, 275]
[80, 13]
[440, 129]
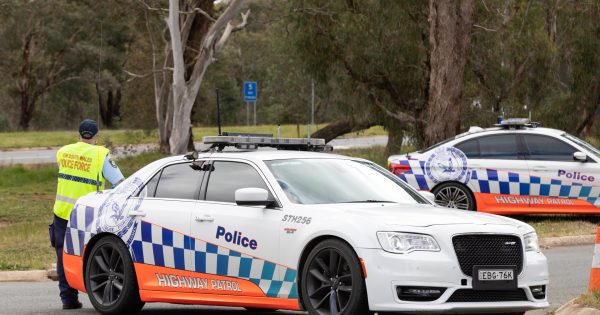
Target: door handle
[204, 218]
[136, 214]
[539, 169]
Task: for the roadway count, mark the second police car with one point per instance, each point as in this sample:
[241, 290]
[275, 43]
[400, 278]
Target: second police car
[513, 168]
[293, 230]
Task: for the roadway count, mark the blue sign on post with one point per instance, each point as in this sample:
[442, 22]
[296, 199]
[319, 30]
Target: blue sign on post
[250, 91]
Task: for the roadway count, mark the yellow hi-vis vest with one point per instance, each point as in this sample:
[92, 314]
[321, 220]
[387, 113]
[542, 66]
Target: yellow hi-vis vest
[79, 173]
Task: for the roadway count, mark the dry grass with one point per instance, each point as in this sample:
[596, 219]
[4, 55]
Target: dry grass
[590, 300]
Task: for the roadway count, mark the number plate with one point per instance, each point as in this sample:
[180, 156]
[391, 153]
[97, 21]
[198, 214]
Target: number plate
[494, 278]
[495, 275]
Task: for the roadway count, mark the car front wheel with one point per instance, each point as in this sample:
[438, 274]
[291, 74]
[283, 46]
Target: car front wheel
[454, 195]
[332, 281]
[110, 279]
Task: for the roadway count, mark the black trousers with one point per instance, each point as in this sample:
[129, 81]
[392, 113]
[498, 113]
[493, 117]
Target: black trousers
[67, 294]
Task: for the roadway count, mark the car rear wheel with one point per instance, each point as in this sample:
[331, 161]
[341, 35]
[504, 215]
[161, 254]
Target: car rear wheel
[110, 279]
[332, 281]
[454, 195]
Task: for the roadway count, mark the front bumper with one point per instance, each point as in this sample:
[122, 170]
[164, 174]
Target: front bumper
[387, 271]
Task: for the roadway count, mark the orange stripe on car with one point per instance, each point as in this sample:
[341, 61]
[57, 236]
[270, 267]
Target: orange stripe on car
[218, 299]
[73, 266]
[152, 277]
[518, 204]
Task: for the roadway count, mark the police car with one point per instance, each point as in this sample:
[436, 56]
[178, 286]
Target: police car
[296, 230]
[515, 167]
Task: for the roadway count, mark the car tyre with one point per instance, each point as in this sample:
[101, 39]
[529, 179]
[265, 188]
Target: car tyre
[333, 281]
[454, 195]
[110, 279]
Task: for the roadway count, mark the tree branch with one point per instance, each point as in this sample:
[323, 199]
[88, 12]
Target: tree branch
[178, 63]
[230, 29]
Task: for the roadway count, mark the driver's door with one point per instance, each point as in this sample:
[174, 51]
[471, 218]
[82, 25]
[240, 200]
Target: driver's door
[237, 245]
[558, 183]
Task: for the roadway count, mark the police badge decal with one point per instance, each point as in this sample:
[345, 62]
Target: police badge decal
[112, 216]
[447, 164]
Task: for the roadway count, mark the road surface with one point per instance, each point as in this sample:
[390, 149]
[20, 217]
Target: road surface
[569, 270]
[47, 156]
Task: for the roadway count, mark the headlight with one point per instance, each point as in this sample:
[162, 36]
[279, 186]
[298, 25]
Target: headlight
[531, 242]
[402, 243]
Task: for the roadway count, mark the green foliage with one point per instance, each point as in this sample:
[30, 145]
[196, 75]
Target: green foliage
[366, 57]
[74, 45]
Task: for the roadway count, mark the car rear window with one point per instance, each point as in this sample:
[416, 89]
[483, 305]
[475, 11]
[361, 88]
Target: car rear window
[497, 147]
[178, 181]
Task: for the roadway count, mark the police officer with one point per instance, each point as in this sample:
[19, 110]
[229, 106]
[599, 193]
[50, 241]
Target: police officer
[83, 168]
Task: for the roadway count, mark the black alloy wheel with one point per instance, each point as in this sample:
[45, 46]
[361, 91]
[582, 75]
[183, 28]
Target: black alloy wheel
[332, 281]
[110, 279]
[454, 195]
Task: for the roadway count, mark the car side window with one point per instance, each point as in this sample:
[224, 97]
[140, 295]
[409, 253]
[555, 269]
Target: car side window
[544, 148]
[470, 148]
[227, 177]
[499, 147]
[151, 185]
[179, 181]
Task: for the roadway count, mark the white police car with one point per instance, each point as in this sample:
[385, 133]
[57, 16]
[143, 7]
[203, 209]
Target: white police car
[294, 230]
[513, 168]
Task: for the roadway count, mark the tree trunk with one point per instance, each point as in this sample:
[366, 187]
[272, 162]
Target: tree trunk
[585, 127]
[395, 140]
[341, 127]
[184, 90]
[450, 25]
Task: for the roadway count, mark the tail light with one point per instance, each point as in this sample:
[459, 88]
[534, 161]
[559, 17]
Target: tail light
[398, 168]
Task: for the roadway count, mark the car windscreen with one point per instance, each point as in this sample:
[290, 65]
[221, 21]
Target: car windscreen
[584, 144]
[321, 181]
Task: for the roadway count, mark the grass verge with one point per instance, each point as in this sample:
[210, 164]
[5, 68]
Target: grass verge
[34, 139]
[27, 197]
[561, 225]
[591, 299]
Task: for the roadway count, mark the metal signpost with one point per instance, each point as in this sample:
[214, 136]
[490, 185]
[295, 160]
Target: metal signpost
[250, 96]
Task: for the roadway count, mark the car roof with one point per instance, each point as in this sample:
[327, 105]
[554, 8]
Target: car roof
[492, 130]
[264, 155]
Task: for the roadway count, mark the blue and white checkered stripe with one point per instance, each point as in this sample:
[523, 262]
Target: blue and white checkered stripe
[158, 246]
[79, 230]
[416, 176]
[512, 183]
[509, 183]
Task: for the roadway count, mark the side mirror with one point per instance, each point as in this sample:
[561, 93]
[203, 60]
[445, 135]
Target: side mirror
[579, 156]
[428, 195]
[253, 197]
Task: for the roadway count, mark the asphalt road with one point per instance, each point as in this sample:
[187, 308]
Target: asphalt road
[569, 270]
[47, 156]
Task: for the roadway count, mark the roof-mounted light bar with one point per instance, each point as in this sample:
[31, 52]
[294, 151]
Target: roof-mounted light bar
[252, 141]
[516, 123]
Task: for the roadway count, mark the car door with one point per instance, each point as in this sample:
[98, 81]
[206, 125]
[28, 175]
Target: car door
[162, 242]
[237, 245]
[558, 182]
[496, 170]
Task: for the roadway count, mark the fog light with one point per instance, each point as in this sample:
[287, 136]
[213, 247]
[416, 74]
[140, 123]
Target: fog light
[422, 294]
[538, 291]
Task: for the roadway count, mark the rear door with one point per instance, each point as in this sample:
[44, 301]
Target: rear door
[160, 249]
[497, 170]
[558, 182]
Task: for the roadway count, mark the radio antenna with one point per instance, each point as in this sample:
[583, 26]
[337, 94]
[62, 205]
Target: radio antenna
[218, 112]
